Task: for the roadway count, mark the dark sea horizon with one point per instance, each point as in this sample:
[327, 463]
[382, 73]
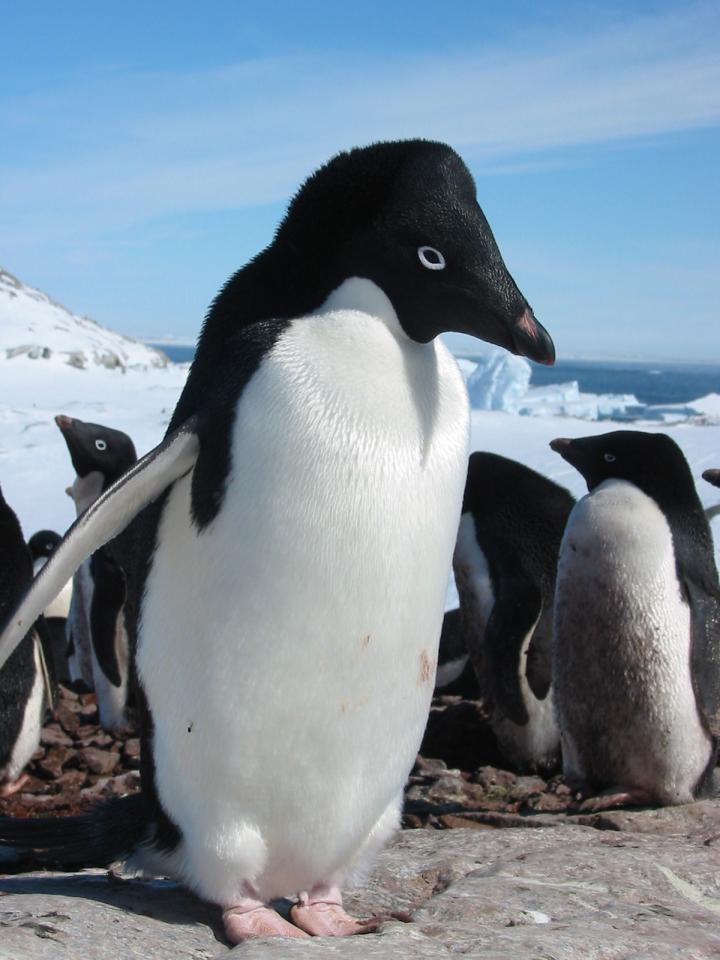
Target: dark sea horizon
[656, 382]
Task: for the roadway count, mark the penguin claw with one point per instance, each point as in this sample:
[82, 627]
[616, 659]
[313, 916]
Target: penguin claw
[616, 797]
[242, 924]
[14, 786]
[326, 919]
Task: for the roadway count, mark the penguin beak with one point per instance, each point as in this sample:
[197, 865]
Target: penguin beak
[530, 339]
[563, 446]
[65, 423]
[713, 477]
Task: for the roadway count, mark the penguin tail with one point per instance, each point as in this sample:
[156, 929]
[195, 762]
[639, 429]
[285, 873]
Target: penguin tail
[110, 832]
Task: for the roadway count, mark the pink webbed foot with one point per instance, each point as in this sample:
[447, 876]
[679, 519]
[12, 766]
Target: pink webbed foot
[616, 797]
[321, 914]
[251, 922]
[8, 789]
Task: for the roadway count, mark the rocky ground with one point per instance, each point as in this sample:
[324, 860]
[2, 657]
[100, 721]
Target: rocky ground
[618, 885]
[458, 779]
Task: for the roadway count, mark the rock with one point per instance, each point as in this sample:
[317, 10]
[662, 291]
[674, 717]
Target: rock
[53, 736]
[131, 750]
[52, 763]
[98, 761]
[67, 717]
[565, 892]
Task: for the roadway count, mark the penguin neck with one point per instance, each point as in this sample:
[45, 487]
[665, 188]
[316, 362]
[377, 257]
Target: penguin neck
[365, 296]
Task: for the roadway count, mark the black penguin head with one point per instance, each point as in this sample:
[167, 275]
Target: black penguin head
[649, 460]
[404, 214]
[43, 543]
[94, 447]
[713, 477]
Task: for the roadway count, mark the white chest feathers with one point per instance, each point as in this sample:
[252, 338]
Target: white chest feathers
[621, 658]
[288, 651]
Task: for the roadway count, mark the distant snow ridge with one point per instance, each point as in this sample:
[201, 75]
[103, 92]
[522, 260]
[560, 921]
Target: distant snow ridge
[34, 326]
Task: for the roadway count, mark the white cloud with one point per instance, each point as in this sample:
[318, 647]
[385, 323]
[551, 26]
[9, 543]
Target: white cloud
[125, 149]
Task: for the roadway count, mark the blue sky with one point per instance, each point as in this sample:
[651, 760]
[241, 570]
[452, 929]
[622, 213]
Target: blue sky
[148, 150]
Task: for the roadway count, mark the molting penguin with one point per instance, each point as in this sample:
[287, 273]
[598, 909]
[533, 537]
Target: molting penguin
[291, 577]
[22, 682]
[96, 629]
[55, 615]
[505, 564]
[636, 652]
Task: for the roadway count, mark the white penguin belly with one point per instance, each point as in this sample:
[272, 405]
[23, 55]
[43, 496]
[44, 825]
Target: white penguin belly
[288, 650]
[621, 659]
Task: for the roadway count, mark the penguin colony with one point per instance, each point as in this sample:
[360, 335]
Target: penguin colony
[298, 522]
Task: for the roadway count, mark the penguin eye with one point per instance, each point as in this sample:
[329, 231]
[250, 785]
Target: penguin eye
[609, 457]
[100, 445]
[431, 258]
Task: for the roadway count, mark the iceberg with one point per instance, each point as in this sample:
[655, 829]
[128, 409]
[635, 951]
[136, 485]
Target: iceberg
[499, 381]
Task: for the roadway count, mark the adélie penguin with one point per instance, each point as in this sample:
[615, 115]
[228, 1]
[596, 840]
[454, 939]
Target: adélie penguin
[22, 681]
[505, 564]
[96, 625]
[41, 545]
[636, 635]
[295, 566]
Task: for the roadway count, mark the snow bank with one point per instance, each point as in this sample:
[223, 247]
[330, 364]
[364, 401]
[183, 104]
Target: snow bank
[35, 327]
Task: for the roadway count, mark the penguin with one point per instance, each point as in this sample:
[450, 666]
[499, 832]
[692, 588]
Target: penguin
[505, 563]
[97, 634]
[55, 616]
[289, 583]
[22, 681]
[713, 477]
[636, 631]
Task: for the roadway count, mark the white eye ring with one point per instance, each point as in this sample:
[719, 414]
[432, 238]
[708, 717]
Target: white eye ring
[100, 445]
[431, 258]
[609, 457]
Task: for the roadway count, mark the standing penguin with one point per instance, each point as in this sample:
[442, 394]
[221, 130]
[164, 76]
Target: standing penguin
[22, 680]
[96, 629]
[292, 577]
[505, 564]
[636, 652]
[41, 546]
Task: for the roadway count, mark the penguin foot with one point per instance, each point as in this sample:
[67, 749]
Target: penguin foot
[321, 914]
[253, 922]
[14, 786]
[617, 797]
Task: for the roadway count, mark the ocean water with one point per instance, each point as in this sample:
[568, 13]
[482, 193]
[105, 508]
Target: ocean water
[652, 383]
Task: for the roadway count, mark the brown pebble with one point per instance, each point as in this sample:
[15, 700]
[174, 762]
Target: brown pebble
[50, 767]
[52, 735]
[99, 761]
[67, 717]
[73, 779]
[452, 821]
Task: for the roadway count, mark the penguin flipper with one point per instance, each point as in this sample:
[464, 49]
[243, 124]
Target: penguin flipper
[539, 656]
[514, 616]
[107, 602]
[705, 652]
[104, 519]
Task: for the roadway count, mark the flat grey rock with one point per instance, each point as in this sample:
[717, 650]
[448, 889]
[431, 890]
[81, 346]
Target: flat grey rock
[552, 893]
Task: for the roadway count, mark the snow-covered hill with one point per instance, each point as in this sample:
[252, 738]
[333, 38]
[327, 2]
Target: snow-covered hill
[34, 326]
[53, 361]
